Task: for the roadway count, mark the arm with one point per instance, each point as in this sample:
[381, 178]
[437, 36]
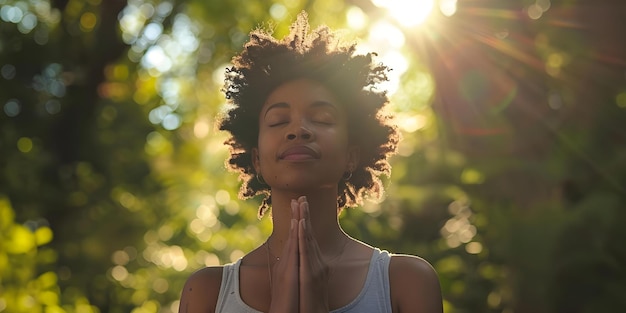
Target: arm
[414, 285]
[201, 290]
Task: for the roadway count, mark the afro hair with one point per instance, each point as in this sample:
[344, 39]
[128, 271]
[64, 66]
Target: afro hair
[266, 62]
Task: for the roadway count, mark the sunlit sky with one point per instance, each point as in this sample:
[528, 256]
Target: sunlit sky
[386, 34]
[407, 12]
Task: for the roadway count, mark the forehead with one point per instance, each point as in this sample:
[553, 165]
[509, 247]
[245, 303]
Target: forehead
[300, 92]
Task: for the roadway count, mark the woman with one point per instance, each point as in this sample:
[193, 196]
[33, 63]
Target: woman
[307, 132]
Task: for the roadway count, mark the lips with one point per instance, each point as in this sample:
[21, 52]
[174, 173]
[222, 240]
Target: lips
[298, 153]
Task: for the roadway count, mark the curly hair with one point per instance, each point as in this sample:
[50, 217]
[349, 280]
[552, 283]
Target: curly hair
[266, 62]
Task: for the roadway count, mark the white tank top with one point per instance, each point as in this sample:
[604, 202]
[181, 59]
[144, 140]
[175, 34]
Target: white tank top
[373, 298]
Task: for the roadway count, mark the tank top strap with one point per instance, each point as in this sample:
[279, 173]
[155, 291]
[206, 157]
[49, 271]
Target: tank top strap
[229, 298]
[375, 297]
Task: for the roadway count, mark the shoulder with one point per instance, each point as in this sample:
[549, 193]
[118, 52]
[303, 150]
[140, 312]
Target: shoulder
[414, 285]
[201, 290]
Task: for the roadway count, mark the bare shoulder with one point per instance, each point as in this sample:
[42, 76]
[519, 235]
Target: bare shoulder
[201, 290]
[414, 285]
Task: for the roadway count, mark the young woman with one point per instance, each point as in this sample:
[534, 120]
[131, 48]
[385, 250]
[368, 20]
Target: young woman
[307, 132]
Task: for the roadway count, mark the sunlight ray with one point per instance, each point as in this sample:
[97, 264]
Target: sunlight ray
[499, 13]
[511, 51]
[409, 13]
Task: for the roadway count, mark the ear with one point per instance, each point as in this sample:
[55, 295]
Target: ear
[354, 154]
[256, 162]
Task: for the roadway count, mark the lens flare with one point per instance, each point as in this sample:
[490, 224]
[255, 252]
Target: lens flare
[409, 13]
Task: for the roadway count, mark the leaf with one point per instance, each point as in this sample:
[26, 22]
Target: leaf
[43, 235]
[20, 240]
[47, 280]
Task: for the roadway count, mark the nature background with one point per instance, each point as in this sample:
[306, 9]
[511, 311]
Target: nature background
[510, 178]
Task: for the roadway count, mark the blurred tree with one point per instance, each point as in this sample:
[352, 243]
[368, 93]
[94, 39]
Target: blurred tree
[530, 96]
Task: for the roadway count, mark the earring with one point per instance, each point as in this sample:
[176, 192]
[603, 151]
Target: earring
[260, 179]
[347, 175]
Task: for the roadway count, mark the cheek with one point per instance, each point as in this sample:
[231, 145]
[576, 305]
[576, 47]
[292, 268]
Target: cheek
[340, 137]
[340, 146]
[266, 147]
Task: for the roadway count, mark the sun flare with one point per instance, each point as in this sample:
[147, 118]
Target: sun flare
[409, 13]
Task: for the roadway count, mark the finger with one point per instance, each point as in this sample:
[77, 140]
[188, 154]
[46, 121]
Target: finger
[303, 237]
[302, 200]
[305, 214]
[290, 247]
[295, 211]
[310, 255]
[305, 217]
[303, 251]
[294, 245]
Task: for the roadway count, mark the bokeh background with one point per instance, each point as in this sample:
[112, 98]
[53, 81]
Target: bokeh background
[510, 178]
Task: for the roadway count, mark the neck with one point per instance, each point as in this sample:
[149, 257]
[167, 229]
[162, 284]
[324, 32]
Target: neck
[324, 220]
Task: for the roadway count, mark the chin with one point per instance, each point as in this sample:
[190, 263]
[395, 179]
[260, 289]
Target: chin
[296, 186]
[303, 186]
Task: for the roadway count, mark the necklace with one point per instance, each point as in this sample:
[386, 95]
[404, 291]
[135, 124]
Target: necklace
[328, 262]
[269, 250]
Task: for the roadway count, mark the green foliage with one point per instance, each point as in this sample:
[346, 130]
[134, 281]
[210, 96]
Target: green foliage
[510, 177]
[23, 255]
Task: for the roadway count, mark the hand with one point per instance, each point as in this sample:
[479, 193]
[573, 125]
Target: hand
[285, 278]
[300, 277]
[313, 272]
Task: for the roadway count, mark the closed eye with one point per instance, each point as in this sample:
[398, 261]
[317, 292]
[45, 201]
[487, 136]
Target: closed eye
[323, 117]
[324, 122]
[279, 123]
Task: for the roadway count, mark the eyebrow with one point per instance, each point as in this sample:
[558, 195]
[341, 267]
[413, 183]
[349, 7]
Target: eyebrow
[275, 106]
[316, 104]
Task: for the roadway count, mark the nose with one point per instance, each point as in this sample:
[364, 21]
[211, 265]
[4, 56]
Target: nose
[299, 132]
